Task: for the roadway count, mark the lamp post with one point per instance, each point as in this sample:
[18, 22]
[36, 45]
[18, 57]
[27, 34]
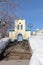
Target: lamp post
[0, 22]
[4, 23]
[30, 26]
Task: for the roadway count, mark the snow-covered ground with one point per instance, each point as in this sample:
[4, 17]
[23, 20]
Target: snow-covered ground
[36, 44]
[3, 44]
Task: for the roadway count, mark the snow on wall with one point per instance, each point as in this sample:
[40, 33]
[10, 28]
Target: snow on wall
[3, 44]
[36, 43]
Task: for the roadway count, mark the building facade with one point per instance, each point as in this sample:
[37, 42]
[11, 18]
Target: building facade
[39, 32]
[19, 33]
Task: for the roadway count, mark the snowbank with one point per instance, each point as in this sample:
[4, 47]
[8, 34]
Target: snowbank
[3, 44]
[36, 43]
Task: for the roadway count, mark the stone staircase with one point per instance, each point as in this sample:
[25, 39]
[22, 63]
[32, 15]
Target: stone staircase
[17, 52]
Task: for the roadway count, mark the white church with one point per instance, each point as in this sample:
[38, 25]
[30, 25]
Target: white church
[19, 33]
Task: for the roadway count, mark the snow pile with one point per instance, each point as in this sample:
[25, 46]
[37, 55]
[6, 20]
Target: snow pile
[3, 44]
[36, 43]
[34, 60]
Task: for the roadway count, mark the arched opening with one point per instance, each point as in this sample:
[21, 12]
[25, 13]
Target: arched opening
[19, 37]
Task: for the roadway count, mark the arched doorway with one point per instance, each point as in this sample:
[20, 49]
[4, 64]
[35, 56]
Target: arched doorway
[20, 37]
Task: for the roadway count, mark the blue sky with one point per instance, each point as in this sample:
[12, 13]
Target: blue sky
[31, 11]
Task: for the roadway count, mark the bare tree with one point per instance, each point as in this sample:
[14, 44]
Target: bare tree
[6, 18]
[4, 13]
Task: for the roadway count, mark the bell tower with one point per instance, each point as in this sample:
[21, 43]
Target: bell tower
[20, 25]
